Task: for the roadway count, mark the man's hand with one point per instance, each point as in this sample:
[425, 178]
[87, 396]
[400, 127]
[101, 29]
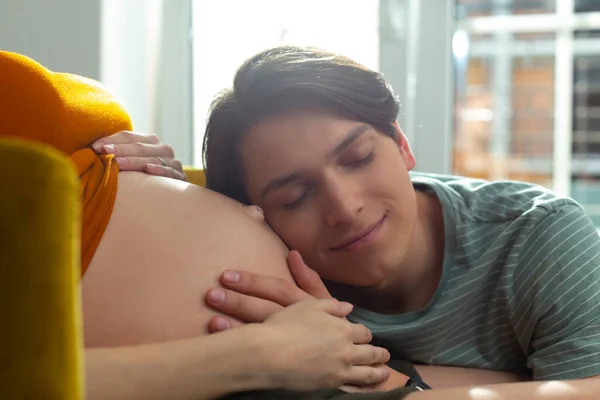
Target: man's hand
[142, 152]
[254, 297]
[310, 345]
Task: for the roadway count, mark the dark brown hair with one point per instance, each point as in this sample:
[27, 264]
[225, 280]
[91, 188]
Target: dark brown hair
[288, 78]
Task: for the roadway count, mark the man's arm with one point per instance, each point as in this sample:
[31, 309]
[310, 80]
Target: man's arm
[443, 377]
[551, 390]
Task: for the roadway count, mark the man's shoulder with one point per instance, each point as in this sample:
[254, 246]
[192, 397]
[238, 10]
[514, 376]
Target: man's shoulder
[480, 201]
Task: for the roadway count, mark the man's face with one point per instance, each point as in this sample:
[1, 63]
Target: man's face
[336, 190]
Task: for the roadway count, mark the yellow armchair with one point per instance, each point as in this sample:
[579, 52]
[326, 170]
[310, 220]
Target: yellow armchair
[41, 340]
[41, 345]
[195, 175]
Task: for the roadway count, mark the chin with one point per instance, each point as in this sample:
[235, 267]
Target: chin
[381, 275]
[377, 280]
[362, 272]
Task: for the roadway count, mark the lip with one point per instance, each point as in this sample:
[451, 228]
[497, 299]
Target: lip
[364, 238]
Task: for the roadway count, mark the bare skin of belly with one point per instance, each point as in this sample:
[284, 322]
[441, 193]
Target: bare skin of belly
[166, 244]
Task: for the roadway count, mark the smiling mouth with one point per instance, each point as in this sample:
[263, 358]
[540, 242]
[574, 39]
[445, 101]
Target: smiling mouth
[364, 238]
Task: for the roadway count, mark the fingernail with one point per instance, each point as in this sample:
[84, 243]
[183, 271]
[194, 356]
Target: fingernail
[347, 306]
[217, 295]
[386, 354]
[387, 372]
[109, 149]
[231, 276]
[222, 324]
[123, 162]
[98, 146]
[152, 167]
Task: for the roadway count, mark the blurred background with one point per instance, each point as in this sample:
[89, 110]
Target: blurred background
[496, 89]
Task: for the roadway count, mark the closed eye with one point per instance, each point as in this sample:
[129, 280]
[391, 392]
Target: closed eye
[362, 162]
[298, 202]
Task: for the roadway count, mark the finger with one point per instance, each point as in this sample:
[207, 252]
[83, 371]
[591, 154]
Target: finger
[361, 334]
[360, 389]
[240, 306]
[265, 287]
[139, 149]
[167, 172]
[219, 324]
[331, 306]
[176, 165]
[371, 388]
[306, 278]
[139, 163]
[366, 354]
[362, 375]
[147, 164]
[124, 137]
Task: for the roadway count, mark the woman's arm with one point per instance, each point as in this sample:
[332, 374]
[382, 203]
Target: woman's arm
[201, 368]
[304, 347]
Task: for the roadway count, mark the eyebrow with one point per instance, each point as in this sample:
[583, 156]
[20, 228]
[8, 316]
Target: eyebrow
[350, 138]
[352, 135]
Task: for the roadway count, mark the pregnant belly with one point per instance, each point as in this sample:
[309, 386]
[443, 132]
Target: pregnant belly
[166, 244]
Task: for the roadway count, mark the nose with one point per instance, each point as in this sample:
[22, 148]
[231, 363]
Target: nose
[343, 201]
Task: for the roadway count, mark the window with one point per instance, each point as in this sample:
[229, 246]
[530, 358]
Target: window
[528, 94]
[226, 32]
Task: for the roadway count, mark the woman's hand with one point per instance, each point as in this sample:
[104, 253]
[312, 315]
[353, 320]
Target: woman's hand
[251, 297]
[312, 346]
[142, 152]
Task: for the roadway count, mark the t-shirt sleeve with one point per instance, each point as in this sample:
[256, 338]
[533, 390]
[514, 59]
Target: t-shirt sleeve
[557, 294]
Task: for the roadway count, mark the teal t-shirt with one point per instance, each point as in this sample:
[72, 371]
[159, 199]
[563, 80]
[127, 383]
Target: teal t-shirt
[520, 289]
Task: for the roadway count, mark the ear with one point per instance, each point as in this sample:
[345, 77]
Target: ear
[404, 147]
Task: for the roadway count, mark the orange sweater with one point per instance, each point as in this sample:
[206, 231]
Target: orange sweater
[68, 112]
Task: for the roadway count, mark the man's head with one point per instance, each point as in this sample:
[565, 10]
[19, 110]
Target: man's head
[311, 137]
